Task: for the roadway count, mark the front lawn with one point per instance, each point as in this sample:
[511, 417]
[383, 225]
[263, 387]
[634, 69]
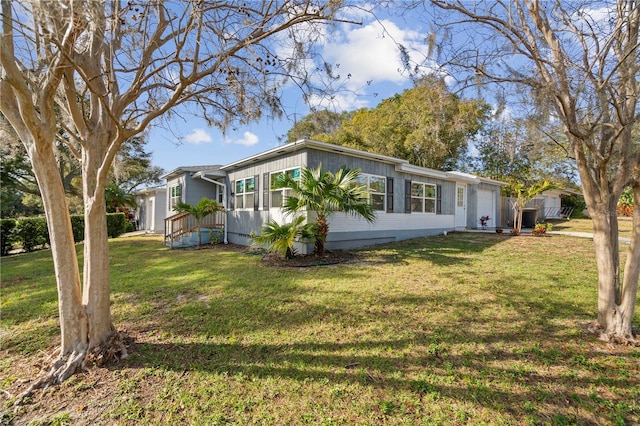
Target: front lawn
[586, 225]
[463, 329]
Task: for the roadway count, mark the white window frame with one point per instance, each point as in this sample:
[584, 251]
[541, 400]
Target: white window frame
[365, 179]
[175, 195]
[285, 192]
[244, 194]
[423, 198]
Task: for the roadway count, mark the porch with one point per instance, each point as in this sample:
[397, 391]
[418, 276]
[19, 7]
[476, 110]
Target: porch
[181, 229]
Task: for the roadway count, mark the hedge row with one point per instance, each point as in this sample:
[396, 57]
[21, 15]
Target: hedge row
[31, 233]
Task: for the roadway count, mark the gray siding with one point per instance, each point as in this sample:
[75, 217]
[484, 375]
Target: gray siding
[334, 161]
[197, 188]
[473, 214]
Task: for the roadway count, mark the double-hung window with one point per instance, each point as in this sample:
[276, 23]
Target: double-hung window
[175, 195]
[376, 190]
[245, 193]
[423, 197]
[278, 194]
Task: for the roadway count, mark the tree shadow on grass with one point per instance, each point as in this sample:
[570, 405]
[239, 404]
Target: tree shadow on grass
[414, 366]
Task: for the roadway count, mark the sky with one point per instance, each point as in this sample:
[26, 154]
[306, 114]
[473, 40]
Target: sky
[366, 53]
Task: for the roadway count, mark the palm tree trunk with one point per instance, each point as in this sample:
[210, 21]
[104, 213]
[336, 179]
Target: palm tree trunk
[323, 230]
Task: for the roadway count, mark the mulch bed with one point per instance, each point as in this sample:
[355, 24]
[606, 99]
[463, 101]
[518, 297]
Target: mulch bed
[309, 260]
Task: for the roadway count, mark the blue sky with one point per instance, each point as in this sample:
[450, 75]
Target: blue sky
[367, 52]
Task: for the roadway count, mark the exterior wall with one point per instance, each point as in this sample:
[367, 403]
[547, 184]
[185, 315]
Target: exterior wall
[192, 191]
[198, 188]
[180, 180]
[473, 207]
[151, 210]
[344, 231]
[347, 232]
[243, 222]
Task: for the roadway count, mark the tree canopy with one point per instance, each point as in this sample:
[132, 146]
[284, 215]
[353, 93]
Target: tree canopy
[427, 125]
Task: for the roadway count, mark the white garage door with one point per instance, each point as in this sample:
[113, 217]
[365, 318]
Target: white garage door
[486, 207]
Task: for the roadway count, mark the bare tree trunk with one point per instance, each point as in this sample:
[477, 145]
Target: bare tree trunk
[620, 323]
[96, 248]
[605, 259]
[73, 319]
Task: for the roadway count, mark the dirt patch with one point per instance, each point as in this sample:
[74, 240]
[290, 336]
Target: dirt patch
[309, 260]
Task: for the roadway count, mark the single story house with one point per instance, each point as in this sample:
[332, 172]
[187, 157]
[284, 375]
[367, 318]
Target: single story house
[151, 209]
[410, 201]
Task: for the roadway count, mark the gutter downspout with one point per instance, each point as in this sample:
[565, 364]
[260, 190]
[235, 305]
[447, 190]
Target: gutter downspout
[224, 198]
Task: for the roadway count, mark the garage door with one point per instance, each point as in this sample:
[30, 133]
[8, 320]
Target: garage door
[486, 207]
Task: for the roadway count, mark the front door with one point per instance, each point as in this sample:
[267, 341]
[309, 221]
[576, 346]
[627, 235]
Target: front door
[461, 205]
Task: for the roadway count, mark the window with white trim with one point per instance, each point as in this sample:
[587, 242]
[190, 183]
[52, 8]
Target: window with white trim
[175, 195]
[376, 189]
[245, 193]
[423, 197]
[276, 194]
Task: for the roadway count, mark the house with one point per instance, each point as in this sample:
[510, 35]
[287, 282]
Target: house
[151, 209]
[410, 201]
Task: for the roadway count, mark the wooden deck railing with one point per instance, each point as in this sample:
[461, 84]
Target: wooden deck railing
[183, 223]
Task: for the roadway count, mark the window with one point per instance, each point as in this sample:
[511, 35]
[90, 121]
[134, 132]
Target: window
[377, 189]
[460, 198]
[245, 193]
[423, 197]
[279, 194]
[175, 196]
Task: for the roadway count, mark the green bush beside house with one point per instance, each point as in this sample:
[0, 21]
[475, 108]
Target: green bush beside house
[31, 233]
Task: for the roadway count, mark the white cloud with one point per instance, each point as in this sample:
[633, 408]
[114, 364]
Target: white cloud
[247, 139]
[370, 53]
[197, 137]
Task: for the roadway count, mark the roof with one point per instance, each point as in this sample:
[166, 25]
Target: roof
[308, 143]
[400, 165]
[191, 169]
[150, 190]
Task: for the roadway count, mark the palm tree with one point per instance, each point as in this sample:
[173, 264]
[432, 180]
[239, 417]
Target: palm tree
[117, 198]
[523, 195]
[326, 193]
[204, 207]
[281, 238]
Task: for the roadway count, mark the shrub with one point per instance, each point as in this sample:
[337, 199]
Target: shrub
[542, 228]
[32, 232]
[116, 224]
[281, 238]
[576, 202]
[7, 235]
[77, 225]
[129, 226]
[625, 204]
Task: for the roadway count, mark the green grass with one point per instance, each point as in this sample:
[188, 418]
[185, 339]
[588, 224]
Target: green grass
[463, 329]
[585, 225]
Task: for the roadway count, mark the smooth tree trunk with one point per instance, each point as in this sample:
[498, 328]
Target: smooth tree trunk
[73, 316]
[629, 292]
[96, 290]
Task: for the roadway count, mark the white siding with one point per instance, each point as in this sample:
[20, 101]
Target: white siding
[391, 221]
